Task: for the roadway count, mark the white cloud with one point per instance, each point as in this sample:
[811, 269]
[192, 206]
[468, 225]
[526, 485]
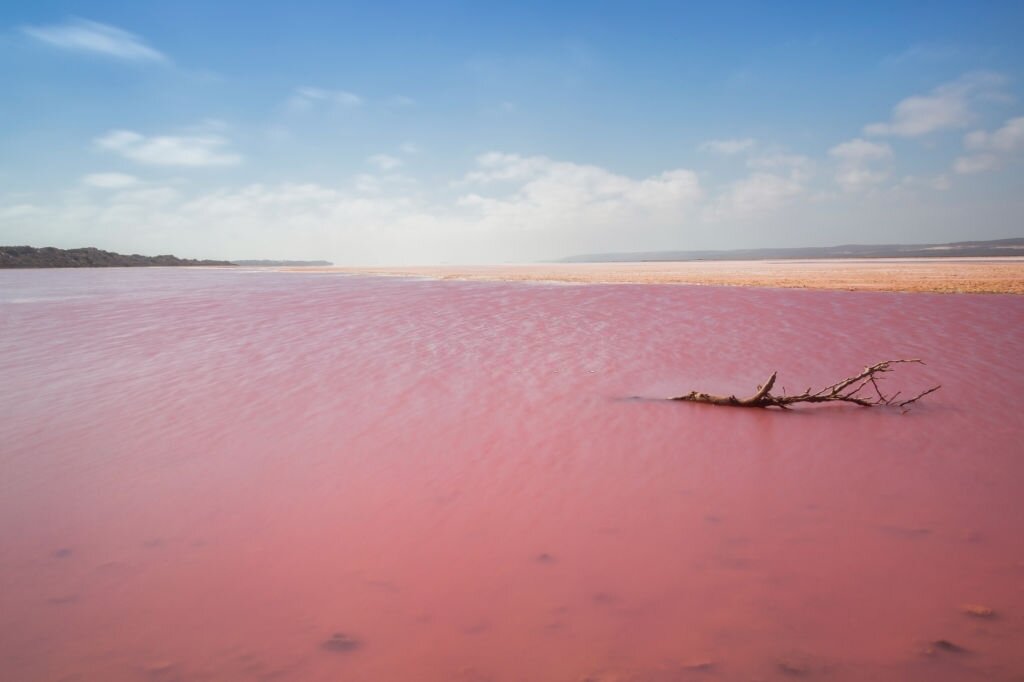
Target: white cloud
[555, 208]
[1005, 140]
[780, 160]
[168, 150]
[91, 36]
[385, 162]
[110, 180]
[366, 183]
[989, 150]
[409, 148]
[498, 167]
[947, 107]
[798, 167]
[18, 211]
[729, 146]
[855, 158]
[858, 150]
[975, 163]
[855, 178]
[754, 195]
[152, 196]
[305, 98]
[505, 207]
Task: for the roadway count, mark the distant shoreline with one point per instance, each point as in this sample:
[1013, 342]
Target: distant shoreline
[20, 257]
[980, 275]
[989, 248]
[90, 257]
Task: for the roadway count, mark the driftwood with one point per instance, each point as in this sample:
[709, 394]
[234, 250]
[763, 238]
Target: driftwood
[862, 389]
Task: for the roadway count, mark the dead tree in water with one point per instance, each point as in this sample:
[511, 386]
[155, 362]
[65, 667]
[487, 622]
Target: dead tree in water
[862, 389]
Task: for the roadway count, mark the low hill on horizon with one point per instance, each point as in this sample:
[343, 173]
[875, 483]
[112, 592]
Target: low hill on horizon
[989, 248]
[88, 257]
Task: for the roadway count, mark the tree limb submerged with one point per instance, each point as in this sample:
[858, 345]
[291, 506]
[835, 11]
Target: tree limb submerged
[861, 389]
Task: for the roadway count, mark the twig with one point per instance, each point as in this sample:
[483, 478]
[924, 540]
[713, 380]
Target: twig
[837, 392]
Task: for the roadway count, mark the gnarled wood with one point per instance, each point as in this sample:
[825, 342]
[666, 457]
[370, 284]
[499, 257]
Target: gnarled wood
[848, 390]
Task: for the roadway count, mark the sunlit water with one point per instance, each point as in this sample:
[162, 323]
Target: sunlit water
[206, 475]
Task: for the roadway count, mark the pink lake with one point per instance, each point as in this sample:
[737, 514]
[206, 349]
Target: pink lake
[207, 474]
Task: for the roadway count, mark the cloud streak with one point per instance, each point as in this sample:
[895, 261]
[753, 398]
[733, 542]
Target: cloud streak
[307, 98]
[82, 35]
[385, 162]
[110, 180]
[990, 150]
[947, 107]
[856, 159]
[169, 150]
[754, 195]
[1006, 140]
[728, 147]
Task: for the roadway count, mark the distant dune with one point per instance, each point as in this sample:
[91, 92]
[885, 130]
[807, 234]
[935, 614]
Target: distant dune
[50, 257]
[991, 248]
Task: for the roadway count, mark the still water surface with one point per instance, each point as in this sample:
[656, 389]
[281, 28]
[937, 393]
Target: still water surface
[229, 475]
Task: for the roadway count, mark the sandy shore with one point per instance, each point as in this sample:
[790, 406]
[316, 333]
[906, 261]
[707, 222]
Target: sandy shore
[943, 275]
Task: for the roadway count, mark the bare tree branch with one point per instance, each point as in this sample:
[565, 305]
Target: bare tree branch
[845, 391]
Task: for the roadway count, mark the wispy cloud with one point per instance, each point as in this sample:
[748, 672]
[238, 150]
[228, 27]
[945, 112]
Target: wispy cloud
[859, 151]
[81, 35]
[169, 150]
[1005, 140]
[728, 146]
[563, 201]
[754, 195]
[110, 180]
[306, 98]
[797, 166]
[18, 211]
[558, 208]
[991, 149]
[506, 207]
[975, 163]
[856, 158]
[947, 107]
[384, 162]
[500, 166]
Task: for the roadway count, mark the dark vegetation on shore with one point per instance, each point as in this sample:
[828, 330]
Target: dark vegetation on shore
[988, 249]
[50, 257]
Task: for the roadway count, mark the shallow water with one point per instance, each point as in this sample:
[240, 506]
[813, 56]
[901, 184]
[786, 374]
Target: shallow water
[207, 474]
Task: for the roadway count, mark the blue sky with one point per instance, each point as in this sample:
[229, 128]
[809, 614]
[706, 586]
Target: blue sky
[483, 132]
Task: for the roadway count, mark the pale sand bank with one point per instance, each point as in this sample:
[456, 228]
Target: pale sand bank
[952, 275]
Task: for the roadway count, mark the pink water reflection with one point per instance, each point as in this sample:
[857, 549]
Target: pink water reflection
[207, 474]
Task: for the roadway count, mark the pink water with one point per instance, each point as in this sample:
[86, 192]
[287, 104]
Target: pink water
[204, 475]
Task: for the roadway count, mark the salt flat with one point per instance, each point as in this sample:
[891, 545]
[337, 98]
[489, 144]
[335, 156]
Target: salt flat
[943, 275]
